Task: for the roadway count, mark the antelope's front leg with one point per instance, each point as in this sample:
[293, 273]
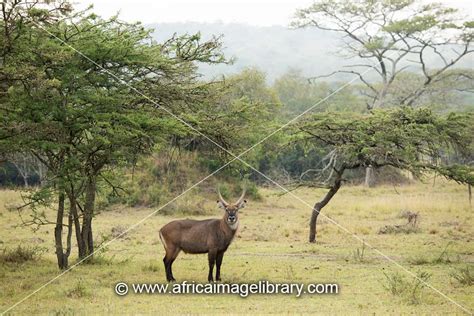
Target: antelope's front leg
[211, 256]
[220, 256]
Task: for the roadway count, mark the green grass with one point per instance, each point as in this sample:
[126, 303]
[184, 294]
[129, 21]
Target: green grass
[271, 245]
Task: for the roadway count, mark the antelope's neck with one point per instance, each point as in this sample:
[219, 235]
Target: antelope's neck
[230, 227]
[234, 226]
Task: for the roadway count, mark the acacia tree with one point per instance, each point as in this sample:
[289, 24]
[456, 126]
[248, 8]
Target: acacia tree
[84, 113]
[241, 109]
[404, 138]
[391, 37]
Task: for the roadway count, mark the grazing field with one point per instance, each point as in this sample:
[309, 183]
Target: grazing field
[271, 245]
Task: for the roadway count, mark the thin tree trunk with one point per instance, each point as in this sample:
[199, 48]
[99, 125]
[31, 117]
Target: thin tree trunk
[22, 168]
[60, 254]
[77, 225]
[58, 230]
[319, 205]
[470, 193]
[25, 181]
[40, 171]
[88, 215]
[69, 235]
[369, 177]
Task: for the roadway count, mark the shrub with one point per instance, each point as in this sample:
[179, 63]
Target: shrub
[119, 231]
[463, 276]
[444, 257]
[410, 291]
[252, 192]
[395, 284]
[21, 254]
[78, 291]
[232, 191]
[359, 254]
[157, 179]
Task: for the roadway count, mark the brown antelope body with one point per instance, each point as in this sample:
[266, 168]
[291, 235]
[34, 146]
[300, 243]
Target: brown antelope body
[211, 236]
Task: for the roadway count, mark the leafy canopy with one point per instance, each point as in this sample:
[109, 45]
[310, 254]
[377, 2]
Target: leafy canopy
[416, 140]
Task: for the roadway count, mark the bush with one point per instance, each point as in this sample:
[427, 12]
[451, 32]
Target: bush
[21, 254]
[359, 254]
[463, 276]
[395, 283]
[78, 291]
[231, 192]
[252, 192]
[410, 291]
[157, 179]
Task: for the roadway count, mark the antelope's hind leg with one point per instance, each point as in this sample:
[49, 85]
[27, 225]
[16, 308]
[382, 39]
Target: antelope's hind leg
[170, 257]
[220, 256]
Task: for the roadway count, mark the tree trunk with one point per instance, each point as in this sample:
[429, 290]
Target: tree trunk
[88, 215]
[41, 170]
[77, 225]
[470, 193]
[58, 230]
[20, 165]
[319, 205]
[25, 181]
[369, 177]
[69, 235]
[60, 254]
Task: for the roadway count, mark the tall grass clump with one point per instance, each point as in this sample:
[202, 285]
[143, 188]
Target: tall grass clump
[21, 254]
[409, 290]
[463, 275]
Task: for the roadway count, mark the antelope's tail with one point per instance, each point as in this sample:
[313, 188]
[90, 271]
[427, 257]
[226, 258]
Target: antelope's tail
[163, 241]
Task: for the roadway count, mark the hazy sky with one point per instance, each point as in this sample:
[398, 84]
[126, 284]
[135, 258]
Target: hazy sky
[255, 12]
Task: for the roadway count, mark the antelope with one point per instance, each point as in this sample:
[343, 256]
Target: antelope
[211, 236]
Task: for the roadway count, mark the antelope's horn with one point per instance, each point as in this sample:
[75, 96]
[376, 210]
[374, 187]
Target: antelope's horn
[221, 198]
[241, 198]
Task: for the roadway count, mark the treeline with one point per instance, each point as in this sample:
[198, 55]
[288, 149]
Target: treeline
[249, 107]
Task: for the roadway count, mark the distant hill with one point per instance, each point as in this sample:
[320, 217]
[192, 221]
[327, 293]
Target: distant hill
[273, 49]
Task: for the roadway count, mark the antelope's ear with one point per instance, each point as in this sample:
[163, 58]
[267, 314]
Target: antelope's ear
[242, 204]
[220, 204]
